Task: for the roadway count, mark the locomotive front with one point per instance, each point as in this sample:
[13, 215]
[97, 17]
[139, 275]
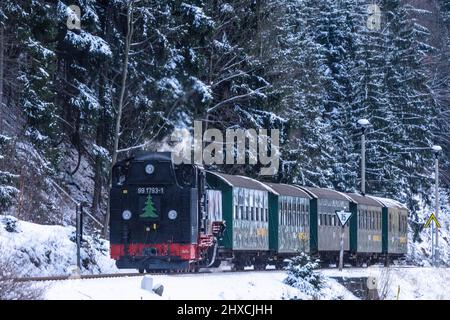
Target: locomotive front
[156, 214]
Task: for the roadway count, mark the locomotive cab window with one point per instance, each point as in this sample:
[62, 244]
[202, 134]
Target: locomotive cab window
[119, 175]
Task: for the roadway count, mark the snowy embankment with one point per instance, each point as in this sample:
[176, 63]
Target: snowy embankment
[403, 283]
[415, 283]
[204, 286]
[42, 250]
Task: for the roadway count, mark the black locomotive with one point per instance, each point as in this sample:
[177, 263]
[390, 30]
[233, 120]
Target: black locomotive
[158, 217]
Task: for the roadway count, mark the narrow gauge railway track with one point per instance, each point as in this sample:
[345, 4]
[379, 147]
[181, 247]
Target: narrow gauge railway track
[76, 277]
[124, 275]
[181, 273]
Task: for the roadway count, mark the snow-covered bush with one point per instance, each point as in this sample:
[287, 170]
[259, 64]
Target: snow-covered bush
[14, 290]
[10, 223]
[301, 275]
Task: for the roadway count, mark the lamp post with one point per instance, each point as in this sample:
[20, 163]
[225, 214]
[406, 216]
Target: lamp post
[364, 124]
[436, 150]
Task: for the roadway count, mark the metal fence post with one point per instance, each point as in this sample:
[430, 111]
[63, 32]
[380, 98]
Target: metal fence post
[341, 251]
[78, 234]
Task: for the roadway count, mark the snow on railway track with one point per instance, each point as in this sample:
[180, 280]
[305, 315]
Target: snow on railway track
[202, 273]
[134, 274]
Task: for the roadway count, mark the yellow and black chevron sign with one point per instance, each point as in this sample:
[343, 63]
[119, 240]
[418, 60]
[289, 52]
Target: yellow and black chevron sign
[432, 218]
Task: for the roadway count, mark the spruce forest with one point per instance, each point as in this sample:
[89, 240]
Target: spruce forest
[73, 101]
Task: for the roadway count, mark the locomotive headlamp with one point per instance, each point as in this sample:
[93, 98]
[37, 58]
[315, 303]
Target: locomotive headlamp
[149, 169]
[172, 214]
[126, 215]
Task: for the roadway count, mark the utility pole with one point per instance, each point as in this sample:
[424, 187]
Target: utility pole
[364, 124]
[363, 163]
[436, 150]
[433, 251]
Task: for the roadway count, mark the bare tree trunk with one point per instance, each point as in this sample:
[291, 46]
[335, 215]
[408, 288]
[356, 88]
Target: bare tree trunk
[96, 198]
[123, 85]
[259, 28]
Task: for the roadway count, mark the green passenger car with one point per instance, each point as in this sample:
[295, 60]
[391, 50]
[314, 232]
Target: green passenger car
[325, 229]
[245, 211]
[365, 227]
[289, 216]
[394, 227]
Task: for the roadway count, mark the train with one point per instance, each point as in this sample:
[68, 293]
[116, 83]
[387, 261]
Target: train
[169, 217]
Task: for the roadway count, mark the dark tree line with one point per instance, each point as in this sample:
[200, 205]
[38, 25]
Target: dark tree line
[73, 100]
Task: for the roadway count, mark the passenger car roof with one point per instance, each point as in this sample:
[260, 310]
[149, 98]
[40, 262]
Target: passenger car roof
[366, 200]
[322, 193]
[241, 181]
[288, 190]
[390, 203]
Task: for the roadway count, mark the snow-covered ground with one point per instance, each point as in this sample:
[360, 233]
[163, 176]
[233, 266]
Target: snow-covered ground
[408, 283]
[42, 250]
[416, 283]
[205, 286]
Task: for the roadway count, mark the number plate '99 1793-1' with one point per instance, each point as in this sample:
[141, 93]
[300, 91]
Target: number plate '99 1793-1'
[150, 190]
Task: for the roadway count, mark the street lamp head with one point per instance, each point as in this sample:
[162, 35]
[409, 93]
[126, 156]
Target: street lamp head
[436, 149]
[364, 123]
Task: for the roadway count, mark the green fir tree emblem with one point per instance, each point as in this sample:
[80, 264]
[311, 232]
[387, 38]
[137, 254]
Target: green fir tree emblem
[149, 209]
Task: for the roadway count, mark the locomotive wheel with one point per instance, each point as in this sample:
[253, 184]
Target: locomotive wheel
[193, 268]
[216, 263]
[279, 265]
[237, 267]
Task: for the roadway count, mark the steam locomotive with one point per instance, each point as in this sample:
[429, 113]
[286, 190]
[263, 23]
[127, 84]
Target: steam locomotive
[182, 217]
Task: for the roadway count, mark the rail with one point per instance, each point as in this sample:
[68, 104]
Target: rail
[123, 275]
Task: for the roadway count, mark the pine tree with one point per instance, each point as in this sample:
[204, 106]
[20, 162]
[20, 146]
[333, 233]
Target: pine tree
[309, 68]
[371, 102]
[149, 209]
[411, 100]
[339, 31]
[7, 189]
[36, 29]
[301, 275]
[300, 61]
